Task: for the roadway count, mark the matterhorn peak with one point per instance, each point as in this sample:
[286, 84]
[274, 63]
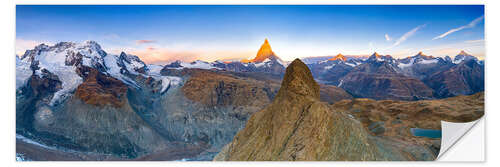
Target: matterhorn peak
[298, 80]
[338, 57]
[462, 52]
[265, 52]
[376, 55]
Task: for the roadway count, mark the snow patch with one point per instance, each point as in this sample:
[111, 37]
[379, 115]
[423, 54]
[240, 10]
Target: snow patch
[432, 61]
[20, 157]
[166, 81]
[324, 61]
[349, 64]
[154, 69]
[263, 63]
[329, 67]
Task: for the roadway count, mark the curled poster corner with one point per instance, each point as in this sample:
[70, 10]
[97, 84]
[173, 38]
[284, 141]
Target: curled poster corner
[452, 133]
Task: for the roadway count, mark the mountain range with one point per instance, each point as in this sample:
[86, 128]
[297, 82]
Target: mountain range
[82, 103]
[413, 78]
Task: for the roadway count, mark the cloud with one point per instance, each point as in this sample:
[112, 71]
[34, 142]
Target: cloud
[144, 41]
[470, 25]
[387, 38]
[474, 41]
[407, 35]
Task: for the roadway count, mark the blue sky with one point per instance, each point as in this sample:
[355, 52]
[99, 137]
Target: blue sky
[160, 34]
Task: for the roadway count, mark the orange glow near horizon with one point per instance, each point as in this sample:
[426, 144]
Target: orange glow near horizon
[161, 56]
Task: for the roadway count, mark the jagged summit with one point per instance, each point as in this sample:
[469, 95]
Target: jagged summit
[298, 80]
[376, 55]
[338, 57]
[265, 52]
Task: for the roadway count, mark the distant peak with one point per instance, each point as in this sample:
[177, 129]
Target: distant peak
[90, 42]
[298, 79]
[265, 52]
[462, 52]
[376, 55]
[338, 57]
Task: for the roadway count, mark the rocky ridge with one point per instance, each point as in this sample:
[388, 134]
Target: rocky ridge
[296, 126]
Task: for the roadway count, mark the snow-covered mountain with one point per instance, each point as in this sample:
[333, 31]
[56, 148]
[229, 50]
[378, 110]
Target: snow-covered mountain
[463, 56]
[375, 68]
[65, 59]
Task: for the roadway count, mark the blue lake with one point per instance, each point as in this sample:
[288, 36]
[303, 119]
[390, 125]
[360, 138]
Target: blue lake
[430, 133]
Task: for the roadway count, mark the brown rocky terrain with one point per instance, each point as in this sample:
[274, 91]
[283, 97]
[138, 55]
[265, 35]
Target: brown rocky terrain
[223, 88]
[99, 89]
[214, 89]
[395, 118]
[464, 79]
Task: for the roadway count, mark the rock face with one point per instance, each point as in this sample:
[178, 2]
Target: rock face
[296, 126]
